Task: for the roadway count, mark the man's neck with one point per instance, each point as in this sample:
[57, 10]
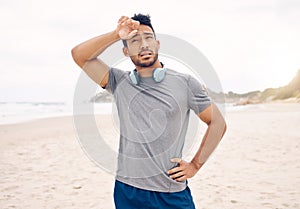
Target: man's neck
[147, 71]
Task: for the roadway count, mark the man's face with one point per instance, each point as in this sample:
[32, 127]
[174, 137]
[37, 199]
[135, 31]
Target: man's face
[143, 47]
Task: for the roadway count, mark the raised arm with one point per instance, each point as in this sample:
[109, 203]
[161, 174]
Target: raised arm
[86, 54]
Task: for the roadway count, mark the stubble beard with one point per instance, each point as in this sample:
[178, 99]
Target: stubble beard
[149, 63]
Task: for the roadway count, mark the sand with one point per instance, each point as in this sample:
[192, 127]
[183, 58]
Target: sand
[257, 164]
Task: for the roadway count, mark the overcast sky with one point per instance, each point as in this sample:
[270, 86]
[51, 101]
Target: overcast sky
[252, 44]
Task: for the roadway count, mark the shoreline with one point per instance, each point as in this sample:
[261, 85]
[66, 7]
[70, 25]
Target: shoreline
[228, 106]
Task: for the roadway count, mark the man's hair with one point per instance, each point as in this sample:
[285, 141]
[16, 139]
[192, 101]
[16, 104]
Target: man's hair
[144, 20]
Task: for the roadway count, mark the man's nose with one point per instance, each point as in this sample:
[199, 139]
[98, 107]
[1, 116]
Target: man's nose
[144, 43]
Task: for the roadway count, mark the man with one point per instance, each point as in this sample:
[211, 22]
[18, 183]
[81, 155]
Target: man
[153, 104]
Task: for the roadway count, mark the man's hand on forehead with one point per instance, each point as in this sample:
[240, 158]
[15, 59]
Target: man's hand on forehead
[127, 27]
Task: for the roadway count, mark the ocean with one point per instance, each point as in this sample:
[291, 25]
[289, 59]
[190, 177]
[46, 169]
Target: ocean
[17, 112]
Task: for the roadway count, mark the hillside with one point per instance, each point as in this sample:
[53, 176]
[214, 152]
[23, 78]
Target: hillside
[289, 91]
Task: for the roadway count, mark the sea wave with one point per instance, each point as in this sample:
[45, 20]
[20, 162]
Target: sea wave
[16, 112]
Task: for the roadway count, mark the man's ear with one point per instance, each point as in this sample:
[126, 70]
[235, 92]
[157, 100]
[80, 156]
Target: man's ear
[125, 51]
[158, 44]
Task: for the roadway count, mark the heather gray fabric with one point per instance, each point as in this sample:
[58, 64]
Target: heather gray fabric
[153, 123]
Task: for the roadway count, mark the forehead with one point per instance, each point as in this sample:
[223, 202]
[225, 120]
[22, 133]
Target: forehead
[144, 29]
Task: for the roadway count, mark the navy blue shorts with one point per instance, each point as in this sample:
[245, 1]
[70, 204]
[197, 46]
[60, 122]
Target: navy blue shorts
[129, 197]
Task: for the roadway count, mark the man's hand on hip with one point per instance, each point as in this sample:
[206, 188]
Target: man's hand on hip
[183, 171]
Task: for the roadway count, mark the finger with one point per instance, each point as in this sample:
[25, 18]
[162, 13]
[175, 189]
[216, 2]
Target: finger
[135, 24]
[174, 170]
[176, 160]
[132, 33]
[182, 178]
[126, 21]
[122, 19]
[177, 175]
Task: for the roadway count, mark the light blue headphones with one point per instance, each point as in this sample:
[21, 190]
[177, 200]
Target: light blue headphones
[158, 74]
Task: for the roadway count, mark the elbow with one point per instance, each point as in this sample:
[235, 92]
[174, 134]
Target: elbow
[224, 125]
[76, 55]
[225, 128]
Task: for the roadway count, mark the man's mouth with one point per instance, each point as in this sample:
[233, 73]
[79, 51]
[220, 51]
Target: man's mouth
[145, 54]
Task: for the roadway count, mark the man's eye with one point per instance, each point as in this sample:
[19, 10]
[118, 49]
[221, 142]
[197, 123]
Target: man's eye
[134, 40]
[149, 37]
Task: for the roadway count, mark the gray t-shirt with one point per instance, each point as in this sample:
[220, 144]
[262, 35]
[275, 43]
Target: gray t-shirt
[153, 123]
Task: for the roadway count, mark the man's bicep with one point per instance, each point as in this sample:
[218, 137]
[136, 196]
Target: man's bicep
[98, 71]
[206, 114]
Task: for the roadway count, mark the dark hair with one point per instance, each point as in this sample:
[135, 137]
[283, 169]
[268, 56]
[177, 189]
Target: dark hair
[144, 20]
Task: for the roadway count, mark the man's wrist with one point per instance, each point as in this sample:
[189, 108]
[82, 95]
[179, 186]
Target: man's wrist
[116, 35]
[197, 165]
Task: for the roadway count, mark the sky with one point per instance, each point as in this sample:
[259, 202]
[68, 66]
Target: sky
[251, 44]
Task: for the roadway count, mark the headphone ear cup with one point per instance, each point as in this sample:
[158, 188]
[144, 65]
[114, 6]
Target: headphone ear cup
[134, 77]
[158, 74]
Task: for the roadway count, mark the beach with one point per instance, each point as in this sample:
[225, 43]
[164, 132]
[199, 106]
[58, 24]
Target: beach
[256, 165]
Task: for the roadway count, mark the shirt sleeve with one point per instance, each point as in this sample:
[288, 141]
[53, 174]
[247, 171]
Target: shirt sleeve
[198, 98]
[115, 77]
